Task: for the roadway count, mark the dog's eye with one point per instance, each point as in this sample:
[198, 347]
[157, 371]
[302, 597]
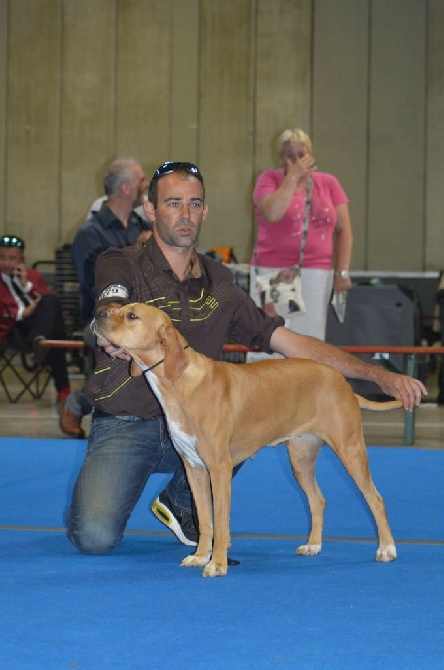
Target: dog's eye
[131, 315]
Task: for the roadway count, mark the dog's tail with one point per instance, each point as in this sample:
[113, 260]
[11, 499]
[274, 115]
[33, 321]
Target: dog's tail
[378, 406]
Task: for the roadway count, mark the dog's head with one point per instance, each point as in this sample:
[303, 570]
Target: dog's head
[145, 333]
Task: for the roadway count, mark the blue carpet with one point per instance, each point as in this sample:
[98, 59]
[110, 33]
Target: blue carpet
[136, 609]
[38, 475]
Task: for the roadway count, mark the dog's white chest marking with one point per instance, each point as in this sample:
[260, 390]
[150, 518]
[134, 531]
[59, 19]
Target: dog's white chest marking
[184, 443]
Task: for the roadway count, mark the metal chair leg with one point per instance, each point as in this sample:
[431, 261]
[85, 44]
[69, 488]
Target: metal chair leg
[35, 385]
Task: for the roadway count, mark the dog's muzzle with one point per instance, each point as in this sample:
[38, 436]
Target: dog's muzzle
[100, 315]
[94, 327]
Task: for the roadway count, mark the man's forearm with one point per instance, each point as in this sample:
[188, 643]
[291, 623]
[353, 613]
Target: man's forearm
[292, 345]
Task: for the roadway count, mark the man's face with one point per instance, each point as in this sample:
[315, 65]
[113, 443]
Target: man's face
[10, 258]
[138, 186]
[180, 209]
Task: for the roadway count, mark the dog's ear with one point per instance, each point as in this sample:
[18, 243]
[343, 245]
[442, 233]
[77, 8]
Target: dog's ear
[175, 358]
[135, 369]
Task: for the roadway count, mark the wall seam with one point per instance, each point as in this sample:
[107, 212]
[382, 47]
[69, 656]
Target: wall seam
[312, 65]
[198, 80]
[60, 121]
[368, 137]
[7, 69]
[254, 116]
[426, 136]
[116, 80]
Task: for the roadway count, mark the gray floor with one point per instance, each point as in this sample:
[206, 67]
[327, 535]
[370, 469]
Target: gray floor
[30, 418]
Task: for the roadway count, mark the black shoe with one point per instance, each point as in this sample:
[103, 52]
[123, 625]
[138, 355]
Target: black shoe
[232, 561]
[182, 523]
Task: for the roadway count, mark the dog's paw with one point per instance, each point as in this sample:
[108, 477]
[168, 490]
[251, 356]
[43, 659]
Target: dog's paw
[386, 553]
[195, 561]
[308, 549]
[214, 569]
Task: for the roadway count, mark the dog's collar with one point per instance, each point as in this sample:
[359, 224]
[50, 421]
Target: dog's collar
[146, 368]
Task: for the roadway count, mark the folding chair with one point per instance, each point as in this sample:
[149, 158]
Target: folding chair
[17, 368]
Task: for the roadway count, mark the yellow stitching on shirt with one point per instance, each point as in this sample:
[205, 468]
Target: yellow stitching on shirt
[98, 372]
[147, 302]
[110, 395]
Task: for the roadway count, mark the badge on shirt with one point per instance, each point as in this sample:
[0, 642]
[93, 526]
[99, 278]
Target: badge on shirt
[114, 291]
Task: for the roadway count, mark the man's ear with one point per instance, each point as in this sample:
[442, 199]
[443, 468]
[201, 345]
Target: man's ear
[125, 187]
[149, 210]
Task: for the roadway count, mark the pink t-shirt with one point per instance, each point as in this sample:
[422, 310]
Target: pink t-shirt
[278, 244]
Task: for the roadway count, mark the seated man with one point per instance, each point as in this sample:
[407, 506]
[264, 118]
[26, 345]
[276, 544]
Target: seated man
[111, 222]
[28, 307]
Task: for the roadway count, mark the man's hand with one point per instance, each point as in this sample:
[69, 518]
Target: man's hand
[409, 390]
[21, 274]
[113, 351]
[30, 309]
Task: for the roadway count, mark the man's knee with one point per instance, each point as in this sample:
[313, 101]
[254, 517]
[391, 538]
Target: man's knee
[93, 539]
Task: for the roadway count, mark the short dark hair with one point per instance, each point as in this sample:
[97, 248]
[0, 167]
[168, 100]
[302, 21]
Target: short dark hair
[168, 168]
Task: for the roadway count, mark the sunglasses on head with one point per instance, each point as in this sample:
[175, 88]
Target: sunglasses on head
[171, 166]
[12, 241]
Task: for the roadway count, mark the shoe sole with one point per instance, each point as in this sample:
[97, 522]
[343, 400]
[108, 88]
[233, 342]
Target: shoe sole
[76, 436]
[164, 515]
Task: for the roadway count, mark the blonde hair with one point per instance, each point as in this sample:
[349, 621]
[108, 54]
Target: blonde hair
[295, 136]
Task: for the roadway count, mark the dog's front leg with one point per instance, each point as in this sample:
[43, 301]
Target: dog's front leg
[221, 476]
[199, 481]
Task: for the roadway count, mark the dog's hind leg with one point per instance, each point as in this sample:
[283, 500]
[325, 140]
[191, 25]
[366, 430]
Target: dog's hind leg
[303, 451]
[355, 460]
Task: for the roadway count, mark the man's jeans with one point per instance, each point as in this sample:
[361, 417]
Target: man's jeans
[122, 453]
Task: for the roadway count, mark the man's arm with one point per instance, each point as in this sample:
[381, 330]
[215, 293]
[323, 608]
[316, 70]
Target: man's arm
[112, 287]
[292, 345]
[85, 249]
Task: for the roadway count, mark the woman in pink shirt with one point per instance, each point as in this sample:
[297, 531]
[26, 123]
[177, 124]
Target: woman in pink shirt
[279, 199]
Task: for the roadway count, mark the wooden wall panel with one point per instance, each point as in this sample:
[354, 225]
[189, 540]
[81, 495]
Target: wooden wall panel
[397, 132]
[340, 103]
[434, 231]
[3, 96]
[226, 121]
[215, 81]
[88, 106]
[283, 74]
[185, 81]
[144, 66]
[33, 117]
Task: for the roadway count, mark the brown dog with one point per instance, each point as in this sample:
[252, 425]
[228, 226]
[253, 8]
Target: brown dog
[299, 402]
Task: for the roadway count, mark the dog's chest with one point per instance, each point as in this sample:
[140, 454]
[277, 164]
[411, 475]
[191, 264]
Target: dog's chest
[184, 443]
